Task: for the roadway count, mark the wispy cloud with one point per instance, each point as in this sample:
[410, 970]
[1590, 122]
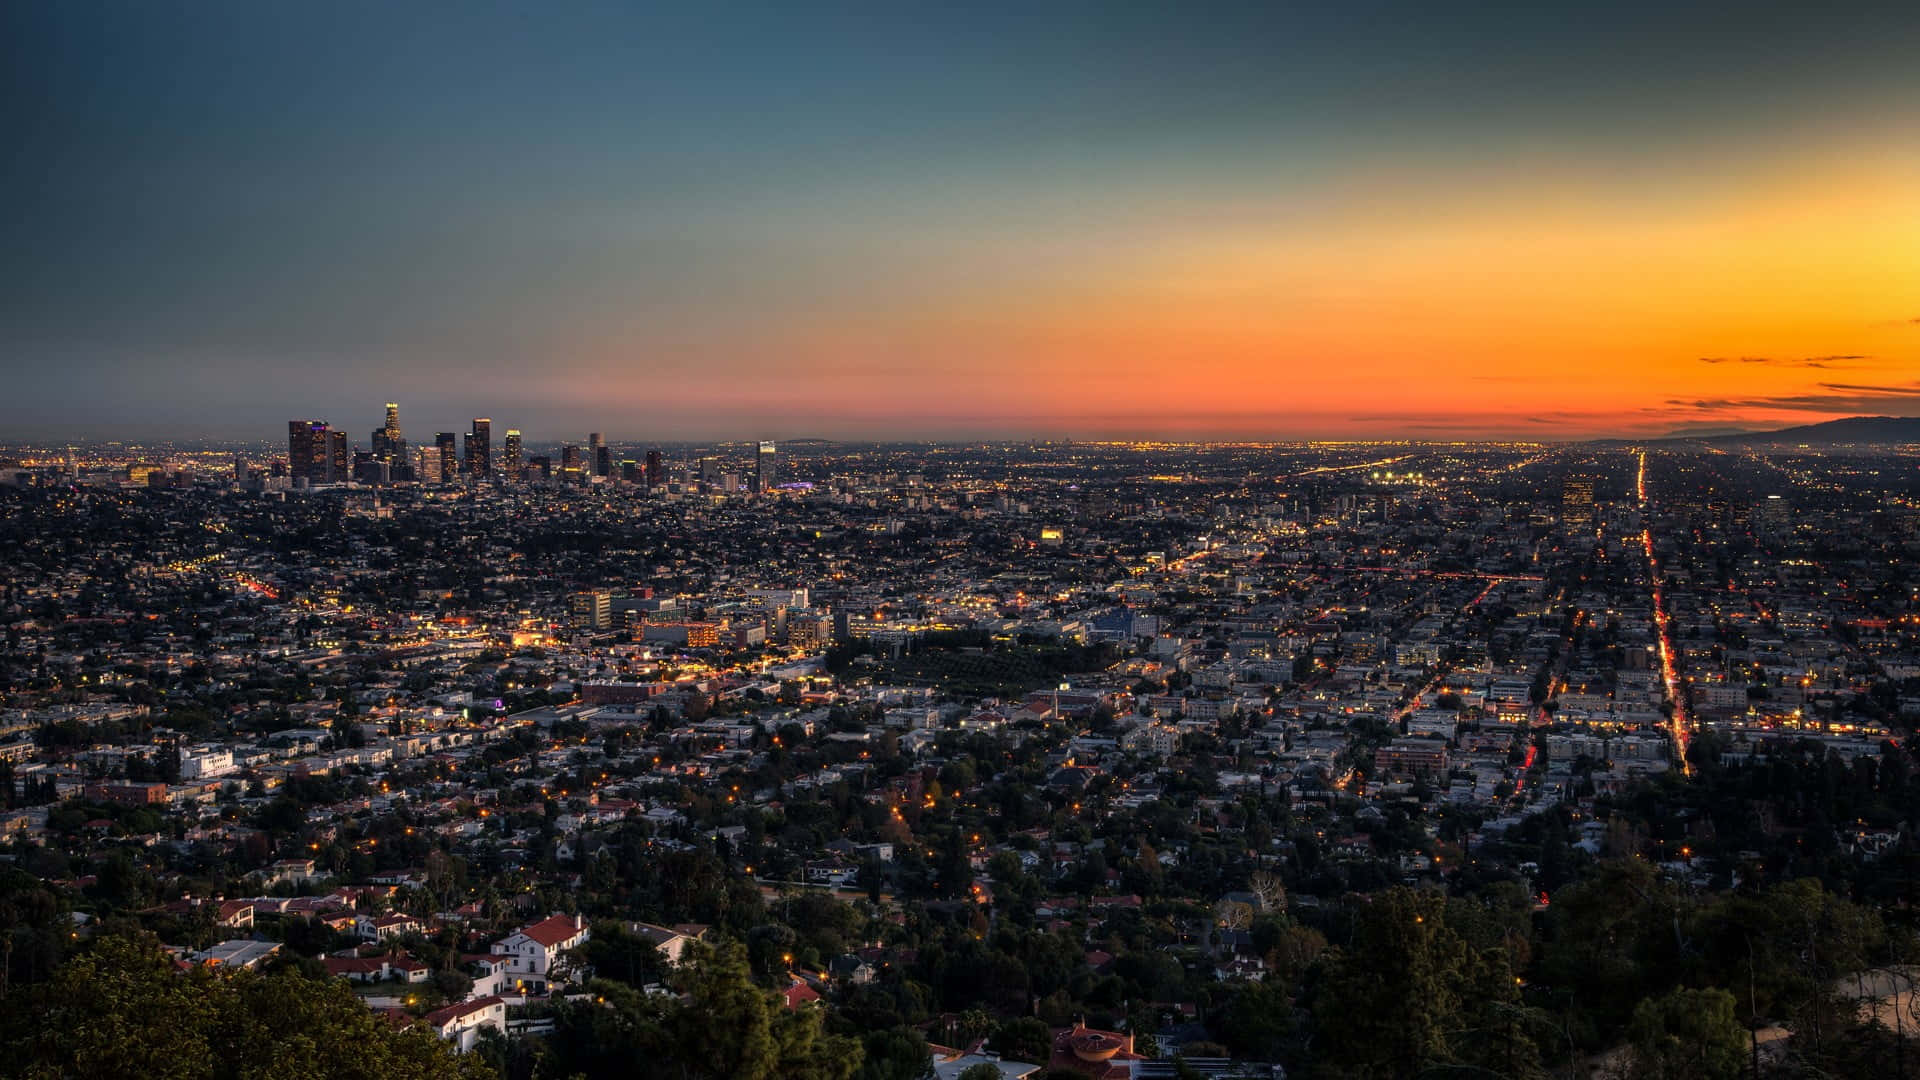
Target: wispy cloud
[1832, 360]
[1838, 398]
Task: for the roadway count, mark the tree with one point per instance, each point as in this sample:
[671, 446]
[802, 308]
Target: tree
[1687, 1033]
[724, 1028]
[1409, 992]
[1232, 914]
[1023, 1039]
[983, 1071]
[1266, 885]
[121, 1010]
[894, 1053]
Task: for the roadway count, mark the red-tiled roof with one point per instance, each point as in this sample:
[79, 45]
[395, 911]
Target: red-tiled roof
[553, 930]
[442, 1017]
[352, 965]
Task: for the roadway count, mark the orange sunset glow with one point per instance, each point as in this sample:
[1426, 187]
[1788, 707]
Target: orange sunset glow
[1276, 227]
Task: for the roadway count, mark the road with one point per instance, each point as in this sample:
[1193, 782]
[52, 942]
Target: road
[1680, 726]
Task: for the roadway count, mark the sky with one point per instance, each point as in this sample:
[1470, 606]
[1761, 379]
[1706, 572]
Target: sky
[1265, 221]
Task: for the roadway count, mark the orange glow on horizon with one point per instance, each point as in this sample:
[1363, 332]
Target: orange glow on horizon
[1550, 311]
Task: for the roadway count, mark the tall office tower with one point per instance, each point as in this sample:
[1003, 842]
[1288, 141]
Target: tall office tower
[339, 462]
[1576, 501]
[598, 456]
[427, 465]
[710, 470]
[766, 468]
[480, 448]
[656, 469]
[571, 469]
[307, 451]
[510, 463]
[449, 457]
[388, 444]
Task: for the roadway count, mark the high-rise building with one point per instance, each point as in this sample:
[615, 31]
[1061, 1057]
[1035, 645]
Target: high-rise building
[592, 610]
[449, 456]
[307, 451]
[572, 468]
[1576, 501]
[710, 471]
[388, 444]
[480, 448]
[1772, 516]
[656, 469]
[599, 457]
[766, 469]
[510, 461]
[339, 461]
[427, 466]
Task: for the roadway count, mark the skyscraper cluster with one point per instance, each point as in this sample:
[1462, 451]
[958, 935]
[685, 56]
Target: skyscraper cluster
[318, 454]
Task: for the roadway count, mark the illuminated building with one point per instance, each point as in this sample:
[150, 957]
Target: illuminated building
[599, 456]
[1576, 501]
[389, 447]
[449, 458]
[656, 469]
[1772, 515]
[480, 448]
[591, 610]
[766, 468]
[307, 451]
[510, 459]
[339, 457]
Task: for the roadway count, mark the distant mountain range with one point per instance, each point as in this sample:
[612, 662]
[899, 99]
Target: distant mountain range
[1852, 429]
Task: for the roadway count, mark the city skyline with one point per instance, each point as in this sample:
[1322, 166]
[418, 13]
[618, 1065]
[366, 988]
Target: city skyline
[1261, 225]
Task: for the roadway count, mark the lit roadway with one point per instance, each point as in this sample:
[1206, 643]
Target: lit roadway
[1324, 469]
[1681, 725]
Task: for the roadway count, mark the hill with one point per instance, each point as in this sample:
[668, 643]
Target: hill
[1852, 429]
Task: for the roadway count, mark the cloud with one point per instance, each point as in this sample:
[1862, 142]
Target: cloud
[1836, 398]
[1781, 361]
[1912, 390]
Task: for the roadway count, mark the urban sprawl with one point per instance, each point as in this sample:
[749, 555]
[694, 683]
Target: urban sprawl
[1048, 758]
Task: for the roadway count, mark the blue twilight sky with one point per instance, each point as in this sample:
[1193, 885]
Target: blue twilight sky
[896, 219]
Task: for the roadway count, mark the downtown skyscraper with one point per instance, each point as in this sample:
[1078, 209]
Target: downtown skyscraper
[309, 452]
[510, 458]
[479, 463]
[389, 445]
[447, 443]
[766, 468]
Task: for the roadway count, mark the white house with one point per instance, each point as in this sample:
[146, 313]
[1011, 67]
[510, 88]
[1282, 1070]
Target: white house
[461, 1024]
[532, 951]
